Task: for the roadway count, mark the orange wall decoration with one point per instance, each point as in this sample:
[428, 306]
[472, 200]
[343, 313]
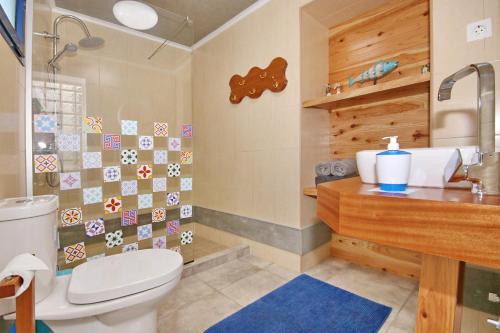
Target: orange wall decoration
[258, 80]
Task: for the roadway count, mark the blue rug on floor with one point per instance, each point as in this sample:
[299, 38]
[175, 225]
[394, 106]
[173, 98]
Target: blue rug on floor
[306, 304]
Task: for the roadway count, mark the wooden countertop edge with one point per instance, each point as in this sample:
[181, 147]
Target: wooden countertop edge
[354, 186]
[311, 192]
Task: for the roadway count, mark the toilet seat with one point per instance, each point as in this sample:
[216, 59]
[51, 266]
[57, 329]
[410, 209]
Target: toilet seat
[122, 275]
[57, 307]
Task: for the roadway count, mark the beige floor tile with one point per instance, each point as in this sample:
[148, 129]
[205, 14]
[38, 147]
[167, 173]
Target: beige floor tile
[226, 274]
[327, 269]
[199, 315]
[204, 247]
[406, 319]
[336, 262]
[187, 291]
[256, 261]
[205, 298]
[281, 271]
[380, 287]
[253, 287]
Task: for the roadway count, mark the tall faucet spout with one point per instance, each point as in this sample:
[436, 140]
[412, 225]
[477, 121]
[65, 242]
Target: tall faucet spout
[485, 101]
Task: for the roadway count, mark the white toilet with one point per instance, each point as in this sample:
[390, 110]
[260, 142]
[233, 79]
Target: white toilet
[119, 293]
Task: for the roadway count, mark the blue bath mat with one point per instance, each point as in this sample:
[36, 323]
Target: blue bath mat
[306, 305]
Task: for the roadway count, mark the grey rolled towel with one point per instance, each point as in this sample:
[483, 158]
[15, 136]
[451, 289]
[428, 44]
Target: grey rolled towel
[343, 168]
[323, 169]
[325, 179]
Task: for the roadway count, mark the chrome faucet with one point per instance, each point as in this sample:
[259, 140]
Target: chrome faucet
[484, 174]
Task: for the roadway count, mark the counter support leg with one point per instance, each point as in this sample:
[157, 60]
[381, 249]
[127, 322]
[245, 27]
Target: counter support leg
[439, 295]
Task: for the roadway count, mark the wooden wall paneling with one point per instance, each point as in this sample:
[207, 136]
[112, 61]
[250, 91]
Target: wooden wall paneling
[389, 259]
[399, 31]
[410, 64]
[361, 127]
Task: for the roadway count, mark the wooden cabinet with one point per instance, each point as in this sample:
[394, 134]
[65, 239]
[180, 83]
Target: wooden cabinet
[447, 227]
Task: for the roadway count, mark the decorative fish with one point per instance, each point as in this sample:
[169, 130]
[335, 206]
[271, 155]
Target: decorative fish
[378, 70]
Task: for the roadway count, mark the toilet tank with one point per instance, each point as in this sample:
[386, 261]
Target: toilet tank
[29, 225]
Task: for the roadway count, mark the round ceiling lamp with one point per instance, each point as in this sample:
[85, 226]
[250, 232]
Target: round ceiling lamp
[135, 14]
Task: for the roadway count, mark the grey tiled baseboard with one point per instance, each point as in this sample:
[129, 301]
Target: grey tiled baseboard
[298, 241]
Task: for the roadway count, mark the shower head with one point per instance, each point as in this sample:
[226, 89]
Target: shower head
[88, 41]
[68, 48]
[91, 42]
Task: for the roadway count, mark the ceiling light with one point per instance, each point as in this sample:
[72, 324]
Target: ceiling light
[135, 14]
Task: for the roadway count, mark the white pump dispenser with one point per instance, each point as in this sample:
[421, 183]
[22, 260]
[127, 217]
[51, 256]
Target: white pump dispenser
[393, 143]
[393, 167]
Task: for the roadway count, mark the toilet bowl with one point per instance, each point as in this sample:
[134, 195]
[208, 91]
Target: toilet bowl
[119, 293]
[114, 294]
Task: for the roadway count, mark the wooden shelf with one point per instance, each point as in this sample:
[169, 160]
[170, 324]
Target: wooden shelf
[311, 191]
[328, 102]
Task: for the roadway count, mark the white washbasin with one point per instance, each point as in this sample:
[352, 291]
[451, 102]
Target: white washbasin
[427, 164]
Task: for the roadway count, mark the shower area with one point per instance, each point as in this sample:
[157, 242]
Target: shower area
[112, 135]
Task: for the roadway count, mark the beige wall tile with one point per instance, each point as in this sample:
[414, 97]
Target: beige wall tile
[247, 154]
[455, 120]
[121, 83]
[314, 124]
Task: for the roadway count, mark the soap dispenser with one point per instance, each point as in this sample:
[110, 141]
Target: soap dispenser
[393, 167]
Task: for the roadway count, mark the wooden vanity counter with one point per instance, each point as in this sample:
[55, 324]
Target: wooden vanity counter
[448, 226]
[450, 223]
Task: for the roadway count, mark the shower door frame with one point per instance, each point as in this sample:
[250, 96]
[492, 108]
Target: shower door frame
[28, 75]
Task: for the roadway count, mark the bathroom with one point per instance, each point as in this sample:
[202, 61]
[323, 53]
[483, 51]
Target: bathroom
[132, 124]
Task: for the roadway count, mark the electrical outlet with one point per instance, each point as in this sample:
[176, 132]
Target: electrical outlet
[492, 297]
[479, 30]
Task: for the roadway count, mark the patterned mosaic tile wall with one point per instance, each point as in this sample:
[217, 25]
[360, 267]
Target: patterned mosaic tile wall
[118, 192]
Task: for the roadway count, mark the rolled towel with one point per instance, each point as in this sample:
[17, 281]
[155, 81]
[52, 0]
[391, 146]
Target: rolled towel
[325, 179]
[23, 265]
[343, 168]
[323, 169]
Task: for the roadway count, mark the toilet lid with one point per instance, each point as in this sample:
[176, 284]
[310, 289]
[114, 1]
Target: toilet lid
[122, 275]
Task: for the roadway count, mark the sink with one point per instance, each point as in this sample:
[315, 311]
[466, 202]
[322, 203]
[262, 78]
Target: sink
[427, 164]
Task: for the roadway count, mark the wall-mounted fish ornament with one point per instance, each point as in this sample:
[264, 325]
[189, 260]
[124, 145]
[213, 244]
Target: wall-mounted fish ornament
[378, 70]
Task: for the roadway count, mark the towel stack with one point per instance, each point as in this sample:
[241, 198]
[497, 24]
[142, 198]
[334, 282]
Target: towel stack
[335, 170]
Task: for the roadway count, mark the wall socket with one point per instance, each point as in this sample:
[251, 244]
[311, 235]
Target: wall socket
[492, 297]
[479, 30]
